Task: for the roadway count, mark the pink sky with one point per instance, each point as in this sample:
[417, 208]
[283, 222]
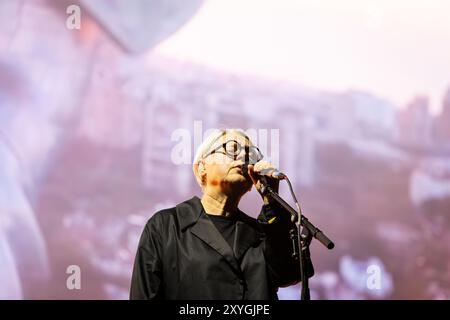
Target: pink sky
[394, 49]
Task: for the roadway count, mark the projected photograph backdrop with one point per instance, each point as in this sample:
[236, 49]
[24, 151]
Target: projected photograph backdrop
[103, 103]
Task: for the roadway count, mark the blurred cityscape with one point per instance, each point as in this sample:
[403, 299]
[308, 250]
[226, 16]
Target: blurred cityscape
[85, 151]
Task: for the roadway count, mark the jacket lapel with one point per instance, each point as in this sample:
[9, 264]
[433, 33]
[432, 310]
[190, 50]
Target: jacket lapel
[205, 230]
[192, 213]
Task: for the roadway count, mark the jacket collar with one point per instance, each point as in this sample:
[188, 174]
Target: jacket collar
[192, 214]
[188, 212]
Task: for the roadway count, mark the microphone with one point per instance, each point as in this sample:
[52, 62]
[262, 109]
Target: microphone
[270, 173]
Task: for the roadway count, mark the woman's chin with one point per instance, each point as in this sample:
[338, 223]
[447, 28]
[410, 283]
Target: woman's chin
[236, 178]
[237, 181]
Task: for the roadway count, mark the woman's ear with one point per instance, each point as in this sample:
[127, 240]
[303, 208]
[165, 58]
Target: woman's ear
[202, 172]
[201, 168]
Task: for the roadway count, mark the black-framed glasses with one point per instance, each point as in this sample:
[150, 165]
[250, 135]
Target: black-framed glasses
[233, 149]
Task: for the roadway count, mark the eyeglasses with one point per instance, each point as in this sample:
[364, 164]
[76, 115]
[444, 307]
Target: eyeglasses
[233, 148]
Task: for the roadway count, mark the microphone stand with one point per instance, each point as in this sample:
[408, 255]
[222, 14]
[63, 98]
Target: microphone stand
[309, 231]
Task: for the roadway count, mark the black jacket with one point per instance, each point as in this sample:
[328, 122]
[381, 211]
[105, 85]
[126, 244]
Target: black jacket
[181, 255]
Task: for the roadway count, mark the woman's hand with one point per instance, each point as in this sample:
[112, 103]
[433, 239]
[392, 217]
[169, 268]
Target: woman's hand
[253, 172]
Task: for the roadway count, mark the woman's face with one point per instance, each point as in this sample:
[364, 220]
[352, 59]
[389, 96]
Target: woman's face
[224, 174]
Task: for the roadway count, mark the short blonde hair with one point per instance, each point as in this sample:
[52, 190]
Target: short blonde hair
[206, 145]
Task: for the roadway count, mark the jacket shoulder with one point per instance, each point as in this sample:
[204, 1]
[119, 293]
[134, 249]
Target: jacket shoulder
[180, 216]
[160, 218]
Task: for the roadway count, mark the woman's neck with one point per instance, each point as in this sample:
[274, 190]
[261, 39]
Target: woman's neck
[219, 204]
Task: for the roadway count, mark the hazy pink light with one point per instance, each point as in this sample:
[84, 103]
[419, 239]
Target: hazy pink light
[395, 49]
